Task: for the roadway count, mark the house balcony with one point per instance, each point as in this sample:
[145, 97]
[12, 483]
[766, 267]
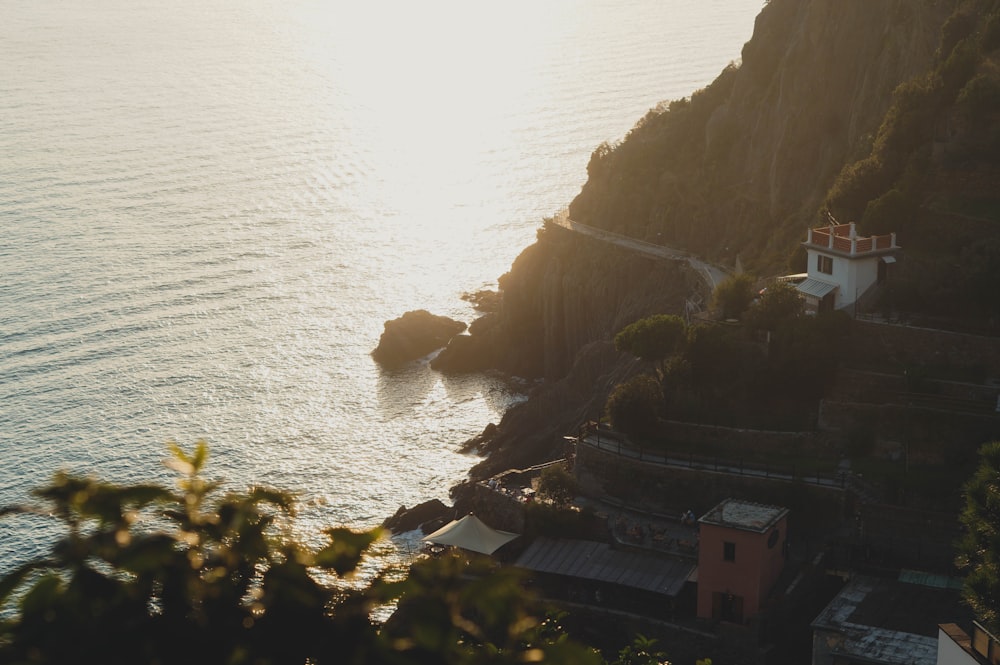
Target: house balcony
[844, 239]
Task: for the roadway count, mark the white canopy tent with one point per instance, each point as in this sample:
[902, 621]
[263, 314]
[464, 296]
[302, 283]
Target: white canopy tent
[470, 533]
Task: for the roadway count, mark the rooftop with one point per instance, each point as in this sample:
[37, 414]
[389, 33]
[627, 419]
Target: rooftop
[844, 239]
[598, 561]
[888, 621]
[745, 515]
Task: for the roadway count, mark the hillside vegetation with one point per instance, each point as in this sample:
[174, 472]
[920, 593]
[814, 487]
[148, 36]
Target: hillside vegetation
[886, 113]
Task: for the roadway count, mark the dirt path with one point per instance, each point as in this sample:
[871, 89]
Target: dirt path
[711, 274]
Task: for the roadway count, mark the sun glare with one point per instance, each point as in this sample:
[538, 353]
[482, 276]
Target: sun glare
[436, 87]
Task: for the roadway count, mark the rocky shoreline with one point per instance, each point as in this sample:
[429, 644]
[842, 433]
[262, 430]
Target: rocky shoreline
[552, 326]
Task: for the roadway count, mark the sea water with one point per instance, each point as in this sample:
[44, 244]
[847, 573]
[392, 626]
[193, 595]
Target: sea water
[210, 207]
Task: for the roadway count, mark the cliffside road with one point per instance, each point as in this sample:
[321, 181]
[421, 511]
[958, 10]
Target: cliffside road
[712, 274]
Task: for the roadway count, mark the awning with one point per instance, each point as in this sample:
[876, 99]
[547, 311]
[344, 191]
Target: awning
[888, 259]
[470, 533]
[815, 288]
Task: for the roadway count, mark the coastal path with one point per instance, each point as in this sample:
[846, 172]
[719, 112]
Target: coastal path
[711, 274]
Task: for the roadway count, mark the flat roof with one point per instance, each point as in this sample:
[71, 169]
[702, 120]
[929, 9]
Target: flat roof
[888, 621]
[591, 560]
[746, 515]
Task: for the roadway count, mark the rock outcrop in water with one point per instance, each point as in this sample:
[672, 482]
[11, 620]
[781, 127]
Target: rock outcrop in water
[410, 519]
[414, 335]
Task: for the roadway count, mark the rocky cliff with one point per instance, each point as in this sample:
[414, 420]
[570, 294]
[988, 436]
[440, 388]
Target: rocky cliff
[563, 301]
[825, 105]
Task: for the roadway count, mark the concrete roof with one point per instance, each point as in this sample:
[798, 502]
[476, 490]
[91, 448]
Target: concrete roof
[887, 621]
[597, 561]
[744, 515]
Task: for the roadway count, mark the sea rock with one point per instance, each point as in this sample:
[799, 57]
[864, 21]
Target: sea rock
[414, 335]
[469, 353]
[408, 519]
[484, 300]
[478, 442]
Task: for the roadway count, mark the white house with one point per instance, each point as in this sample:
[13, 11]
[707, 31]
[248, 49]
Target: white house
[843, 266]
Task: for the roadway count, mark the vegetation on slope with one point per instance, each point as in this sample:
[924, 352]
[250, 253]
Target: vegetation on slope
[884, 114]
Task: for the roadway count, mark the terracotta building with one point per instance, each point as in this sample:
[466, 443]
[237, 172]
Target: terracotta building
[741, 553]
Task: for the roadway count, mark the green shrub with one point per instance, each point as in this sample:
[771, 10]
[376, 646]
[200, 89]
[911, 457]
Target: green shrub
[634, 406]
[733, 295]
[558, 485]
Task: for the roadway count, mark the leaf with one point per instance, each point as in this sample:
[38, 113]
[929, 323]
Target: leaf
[149, 554]
[42, 595]
[345, 549]
[16, 577]
[200, 455]
[284, 500]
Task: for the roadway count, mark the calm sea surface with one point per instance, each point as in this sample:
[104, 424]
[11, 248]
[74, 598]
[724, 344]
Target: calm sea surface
[210, 207]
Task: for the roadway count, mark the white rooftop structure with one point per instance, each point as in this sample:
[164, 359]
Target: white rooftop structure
[744, 515]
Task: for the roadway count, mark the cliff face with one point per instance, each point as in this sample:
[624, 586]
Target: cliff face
[742, 169]
[743, 166]
[563, 301]
[563, 293]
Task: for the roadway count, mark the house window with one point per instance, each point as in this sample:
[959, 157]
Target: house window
[729, 551]
[824, 264]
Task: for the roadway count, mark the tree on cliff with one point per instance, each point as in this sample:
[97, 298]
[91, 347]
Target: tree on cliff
[979, 548]
[655, 339]
[633, 407]
[144, 574]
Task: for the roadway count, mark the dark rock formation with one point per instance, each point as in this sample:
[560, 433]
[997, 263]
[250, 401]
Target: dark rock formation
[483, 300]
[414, 335]
[479, 442]
[408, 519]
[563, 301]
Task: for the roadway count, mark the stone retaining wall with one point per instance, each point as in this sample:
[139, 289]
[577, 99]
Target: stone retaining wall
[710, 436]
[933, 436]
[666, 490]
[877, 344]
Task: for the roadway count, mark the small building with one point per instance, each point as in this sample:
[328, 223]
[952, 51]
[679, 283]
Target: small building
[843, 266]
[583, 571]
[741, 554]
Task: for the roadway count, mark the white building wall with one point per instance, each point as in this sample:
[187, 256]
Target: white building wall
[861, 274]
[852, 276]
[949, 653]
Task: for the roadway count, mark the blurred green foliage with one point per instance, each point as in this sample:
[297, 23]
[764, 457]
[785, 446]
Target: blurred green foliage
[147, 574]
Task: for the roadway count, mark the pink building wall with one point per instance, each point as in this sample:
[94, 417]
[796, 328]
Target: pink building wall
[734, 590]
